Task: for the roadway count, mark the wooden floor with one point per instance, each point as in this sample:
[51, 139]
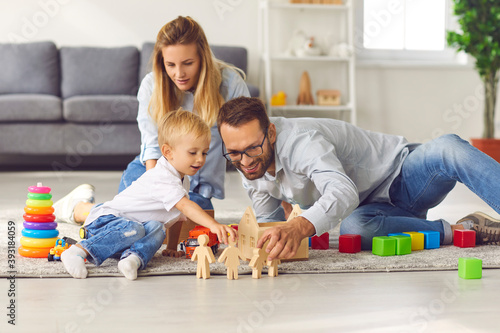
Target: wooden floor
[349, 302]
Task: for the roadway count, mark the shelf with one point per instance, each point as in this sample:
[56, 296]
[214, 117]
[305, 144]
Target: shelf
[311, 108]
[309, 58]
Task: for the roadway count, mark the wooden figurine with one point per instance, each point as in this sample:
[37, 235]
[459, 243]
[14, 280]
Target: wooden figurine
[258, 261]
[305, 95]
[272, 269]
[249, 231]
[204, 255]
[328, 97]
[231, 259]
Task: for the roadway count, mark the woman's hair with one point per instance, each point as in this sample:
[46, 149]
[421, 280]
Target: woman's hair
[176, 124]
[242, 110]
[166, 96]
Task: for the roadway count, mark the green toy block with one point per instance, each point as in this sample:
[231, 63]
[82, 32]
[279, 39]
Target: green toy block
[384, 246]
[470, 268]
[403, 244]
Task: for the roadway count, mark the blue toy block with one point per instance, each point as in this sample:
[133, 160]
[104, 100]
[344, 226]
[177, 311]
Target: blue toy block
[431, 239]
[398, 234]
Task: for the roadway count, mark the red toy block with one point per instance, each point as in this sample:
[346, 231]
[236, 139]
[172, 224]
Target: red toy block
[349, 243]
[464, 238]
[320, 242]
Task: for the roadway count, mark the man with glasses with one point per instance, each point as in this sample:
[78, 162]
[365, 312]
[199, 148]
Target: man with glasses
[373, 183]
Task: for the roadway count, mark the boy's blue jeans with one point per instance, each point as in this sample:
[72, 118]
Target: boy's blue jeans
[427, 175]
[135, 169]
[110, 236]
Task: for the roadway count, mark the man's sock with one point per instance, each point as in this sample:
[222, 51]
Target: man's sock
[129, 266]
[74, 262]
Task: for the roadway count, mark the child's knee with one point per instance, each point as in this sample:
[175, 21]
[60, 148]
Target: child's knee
[134, 230]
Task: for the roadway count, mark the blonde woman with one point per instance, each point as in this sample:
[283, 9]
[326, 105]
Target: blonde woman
[185, 74]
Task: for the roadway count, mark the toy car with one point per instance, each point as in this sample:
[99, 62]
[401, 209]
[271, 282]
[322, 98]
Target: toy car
[55, 252]
[192, 242]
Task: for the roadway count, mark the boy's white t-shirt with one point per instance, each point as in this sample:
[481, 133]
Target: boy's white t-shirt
[152, 197]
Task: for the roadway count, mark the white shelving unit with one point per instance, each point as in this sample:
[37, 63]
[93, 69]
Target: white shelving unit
[278, 21]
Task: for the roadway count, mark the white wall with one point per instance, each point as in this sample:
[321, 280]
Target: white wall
[419, 103]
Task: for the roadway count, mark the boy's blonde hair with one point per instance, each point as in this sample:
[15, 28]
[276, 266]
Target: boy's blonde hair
[176, 124]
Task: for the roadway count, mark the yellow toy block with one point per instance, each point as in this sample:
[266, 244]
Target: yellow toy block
[417, 240]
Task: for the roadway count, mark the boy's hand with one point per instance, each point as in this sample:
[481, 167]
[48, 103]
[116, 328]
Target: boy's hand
[222, 230]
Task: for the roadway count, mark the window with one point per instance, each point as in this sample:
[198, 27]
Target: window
[404, 30]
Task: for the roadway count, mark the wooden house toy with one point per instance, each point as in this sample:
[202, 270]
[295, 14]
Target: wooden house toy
[328, 97]
[249, 231]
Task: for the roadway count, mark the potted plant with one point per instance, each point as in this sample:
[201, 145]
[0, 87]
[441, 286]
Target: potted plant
[480, 38]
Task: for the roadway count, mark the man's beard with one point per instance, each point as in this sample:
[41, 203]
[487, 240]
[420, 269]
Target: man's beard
[263, 161]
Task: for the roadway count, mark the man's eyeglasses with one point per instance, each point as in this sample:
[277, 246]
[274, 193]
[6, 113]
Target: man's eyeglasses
[254, 151]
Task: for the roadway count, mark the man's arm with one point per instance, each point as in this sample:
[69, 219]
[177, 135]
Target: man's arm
[339, 196]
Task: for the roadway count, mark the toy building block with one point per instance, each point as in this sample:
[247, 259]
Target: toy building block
[231, 259]
[398, 234]
[272, 267]
[204, 255]
[417, 240]
[464, 238]
[431, 239]
[384, 246]
[320, 242]
[403, 244]
[249, 231]
[257, 262]
[349, 243]
[470, 268]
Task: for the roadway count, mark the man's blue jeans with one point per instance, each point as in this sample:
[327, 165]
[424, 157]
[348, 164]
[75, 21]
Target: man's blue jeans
[427, 175]
[135, 169]
[111, 236]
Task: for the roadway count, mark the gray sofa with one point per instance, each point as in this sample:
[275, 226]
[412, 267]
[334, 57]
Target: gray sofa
[70, 107]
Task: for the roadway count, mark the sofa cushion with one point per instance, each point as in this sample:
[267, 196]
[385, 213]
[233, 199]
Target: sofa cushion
[31, 138]
[30, 107]
[98, 109]
[99, 71]
[30, 68]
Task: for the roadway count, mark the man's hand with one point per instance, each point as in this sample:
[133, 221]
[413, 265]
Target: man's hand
[284, 240]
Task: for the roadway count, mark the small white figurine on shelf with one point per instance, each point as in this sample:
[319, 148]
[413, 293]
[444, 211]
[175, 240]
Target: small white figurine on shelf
[341, 50]
[301, 45]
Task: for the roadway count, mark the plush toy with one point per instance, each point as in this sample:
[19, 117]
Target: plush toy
[305, 95]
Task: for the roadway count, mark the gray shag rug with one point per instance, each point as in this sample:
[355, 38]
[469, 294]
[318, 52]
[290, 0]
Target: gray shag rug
[320, 261]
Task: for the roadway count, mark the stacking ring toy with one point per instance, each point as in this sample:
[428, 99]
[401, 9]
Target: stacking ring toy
[38, 242]
[39, 189]
[39, 196]
[40, 226]
[34, 252]
[39, 218]
[34, 233]
[39, 210]
[39, 203]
